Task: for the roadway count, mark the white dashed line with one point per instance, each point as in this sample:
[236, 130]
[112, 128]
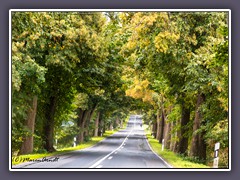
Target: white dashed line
[110, 157]
[105, 157]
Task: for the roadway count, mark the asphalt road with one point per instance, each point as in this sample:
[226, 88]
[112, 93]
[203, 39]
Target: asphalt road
[125, 149]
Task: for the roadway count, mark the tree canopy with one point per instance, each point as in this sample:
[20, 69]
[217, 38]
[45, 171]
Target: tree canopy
[76, 74]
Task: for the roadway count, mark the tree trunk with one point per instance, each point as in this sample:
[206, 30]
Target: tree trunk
[167, 132]
[167, 135]
[176, 142]
[100, 127]
[83, 115]
[88, 120]
[111, 126]
[96, 124]
[27, 145]
[154, 129]
[158, 125]
[79, 123]
[103, 127]
[198, 145]
[121, 123]
[49, 126]
[162, 126]
[183, 140]
[162, 122]
[116, 123]
[172, 142]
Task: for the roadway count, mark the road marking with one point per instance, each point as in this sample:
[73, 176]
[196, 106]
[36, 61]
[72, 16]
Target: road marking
[115, 153]
[168, 165]
[105, 157]
[99, 166]
[110, 157]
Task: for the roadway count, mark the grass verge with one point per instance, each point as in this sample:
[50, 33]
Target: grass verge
[94, 140]
[172, 158]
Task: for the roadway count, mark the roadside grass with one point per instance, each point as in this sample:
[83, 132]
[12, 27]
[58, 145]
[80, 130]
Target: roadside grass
[28, 157]
[172, 158]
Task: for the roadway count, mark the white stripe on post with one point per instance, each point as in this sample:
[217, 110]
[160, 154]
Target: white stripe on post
[216, 159]
[162, 144]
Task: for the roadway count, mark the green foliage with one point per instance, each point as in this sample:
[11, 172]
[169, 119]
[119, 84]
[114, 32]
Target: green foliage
[183, 54]
[116, 62]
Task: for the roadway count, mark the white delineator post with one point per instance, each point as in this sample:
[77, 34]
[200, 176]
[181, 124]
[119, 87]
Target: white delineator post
[74, 141]
[162, 144]
[215, 160]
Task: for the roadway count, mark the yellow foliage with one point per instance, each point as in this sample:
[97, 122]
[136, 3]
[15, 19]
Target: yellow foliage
[34, 36]
[219, 88]
[62, 22]
[131, 44]
[162, 40]
[145, 83]
[139, 90]
[46, 15]
[224, 103]
[83, 31]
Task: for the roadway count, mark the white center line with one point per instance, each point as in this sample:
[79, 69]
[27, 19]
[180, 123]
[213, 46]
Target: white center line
[99, 166]
[105, 157]
[110, 157]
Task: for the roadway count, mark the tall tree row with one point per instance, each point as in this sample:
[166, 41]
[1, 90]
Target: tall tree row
[64, 71]
[77, 74]
[178, 54]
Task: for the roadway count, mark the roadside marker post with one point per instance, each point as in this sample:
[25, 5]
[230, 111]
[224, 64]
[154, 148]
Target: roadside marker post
[162, 144]
[74, 141]
[216, 152]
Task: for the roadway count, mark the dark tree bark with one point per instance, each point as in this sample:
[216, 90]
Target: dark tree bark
[27, 145]
[86, 129]
[162, 124]
[198, 145]
[183, 140]
[158, 131]
[116, 123]
[167, 135]
[172, 141]
[176, 136]
[49, 125]
[176, 143]
[96, 124]
[83, 115]
[100, 127]
[167, 132]
[154, 129]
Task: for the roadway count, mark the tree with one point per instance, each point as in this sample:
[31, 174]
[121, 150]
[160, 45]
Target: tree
[27, 78]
